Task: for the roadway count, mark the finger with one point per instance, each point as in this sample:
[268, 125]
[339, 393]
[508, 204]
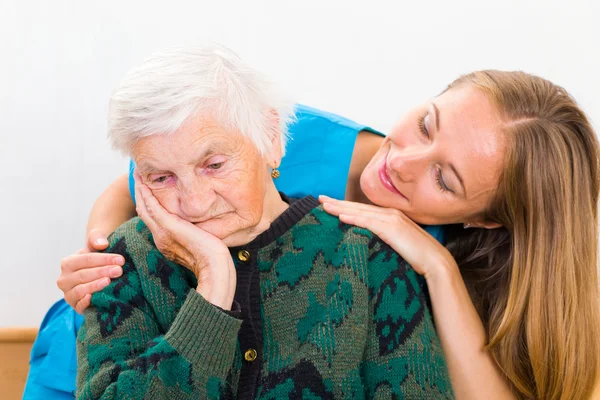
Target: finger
[80, 291]
[141, 207]
[76, 262]
[83, 304]
[341, 208]
[158, 213]
[326, 199]
[350, 205]
[374, 225]
[96, 240]
[91, 274]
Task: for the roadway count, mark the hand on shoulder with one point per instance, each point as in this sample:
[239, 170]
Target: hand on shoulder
[421, 250]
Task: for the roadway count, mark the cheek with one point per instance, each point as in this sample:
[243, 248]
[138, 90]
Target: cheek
[168, 198]
[245, 194]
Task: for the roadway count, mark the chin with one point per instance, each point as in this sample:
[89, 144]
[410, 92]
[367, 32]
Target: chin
[232, 232]
[368, 184]
[217, 228]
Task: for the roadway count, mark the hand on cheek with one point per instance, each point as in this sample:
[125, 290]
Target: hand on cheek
[188, 245]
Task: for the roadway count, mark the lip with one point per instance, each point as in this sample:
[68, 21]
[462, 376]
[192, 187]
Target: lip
[208, 219]
[386, 180]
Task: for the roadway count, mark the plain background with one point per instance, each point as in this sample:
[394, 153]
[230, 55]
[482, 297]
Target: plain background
[367, 60]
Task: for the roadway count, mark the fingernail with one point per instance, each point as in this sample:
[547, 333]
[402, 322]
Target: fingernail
[115, 272]
[119, 260]
[104, 282]
[101, 242]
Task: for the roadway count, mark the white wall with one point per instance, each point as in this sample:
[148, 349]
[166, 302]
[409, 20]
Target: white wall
[368, 60]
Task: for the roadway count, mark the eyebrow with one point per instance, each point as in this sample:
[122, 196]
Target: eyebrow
[460, 179]
[208, 151]
[437, 116]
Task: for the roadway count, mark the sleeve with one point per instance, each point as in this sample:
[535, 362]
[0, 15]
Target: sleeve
[403, 357]
[131, 180]
[124, 354]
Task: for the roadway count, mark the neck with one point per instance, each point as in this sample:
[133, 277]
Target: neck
[274, 206]
[367, 144]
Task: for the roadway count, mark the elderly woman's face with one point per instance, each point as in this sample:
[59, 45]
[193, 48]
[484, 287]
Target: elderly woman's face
[441, 163]
[206, 175]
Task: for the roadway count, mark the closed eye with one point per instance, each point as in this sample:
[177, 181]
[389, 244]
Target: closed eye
[423, 127]
[160, 179]
[441, 184]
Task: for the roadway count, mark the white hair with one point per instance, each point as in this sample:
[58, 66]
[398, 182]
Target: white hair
[159, 96]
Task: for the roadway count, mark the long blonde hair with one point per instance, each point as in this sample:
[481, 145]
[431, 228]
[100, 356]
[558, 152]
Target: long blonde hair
[535, 281]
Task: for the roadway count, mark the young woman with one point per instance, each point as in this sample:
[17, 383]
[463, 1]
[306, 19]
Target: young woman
[512, 158]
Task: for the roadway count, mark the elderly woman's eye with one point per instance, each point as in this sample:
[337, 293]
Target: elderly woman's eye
[215, 165]
[160, 179]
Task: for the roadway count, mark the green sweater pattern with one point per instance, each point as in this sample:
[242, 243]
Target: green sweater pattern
[337, 314]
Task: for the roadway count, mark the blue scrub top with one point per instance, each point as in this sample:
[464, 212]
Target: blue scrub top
[317, 161]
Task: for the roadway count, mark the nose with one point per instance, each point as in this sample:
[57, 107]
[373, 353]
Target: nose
[408, 163]
[196, 199]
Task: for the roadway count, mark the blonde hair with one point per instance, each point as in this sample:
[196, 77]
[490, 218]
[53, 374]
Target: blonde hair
[535, 281]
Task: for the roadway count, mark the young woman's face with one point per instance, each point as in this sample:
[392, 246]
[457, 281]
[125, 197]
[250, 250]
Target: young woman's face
[441, 162]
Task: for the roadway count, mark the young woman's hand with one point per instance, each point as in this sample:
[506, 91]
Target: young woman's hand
[87, 272]
[190, 246]
[421, 250]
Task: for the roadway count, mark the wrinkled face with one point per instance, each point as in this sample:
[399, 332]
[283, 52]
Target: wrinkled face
[441, 162]
[207, 175]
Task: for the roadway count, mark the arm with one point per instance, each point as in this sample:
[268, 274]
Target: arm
[113, 208]
[124, 353]
[86, 272]
[473, 371]
[464, 338]
[403, 357]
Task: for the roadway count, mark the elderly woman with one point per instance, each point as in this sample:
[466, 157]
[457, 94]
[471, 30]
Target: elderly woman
[277, 299]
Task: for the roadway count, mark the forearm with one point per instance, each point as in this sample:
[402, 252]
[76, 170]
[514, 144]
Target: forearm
[192, 360]
[114, 207]
[473, 371]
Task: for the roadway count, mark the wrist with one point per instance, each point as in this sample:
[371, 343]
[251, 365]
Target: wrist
[443, 272]
[221, 300]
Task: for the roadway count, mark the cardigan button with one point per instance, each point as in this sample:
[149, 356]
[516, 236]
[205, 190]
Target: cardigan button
[250, 355]
[244, 255]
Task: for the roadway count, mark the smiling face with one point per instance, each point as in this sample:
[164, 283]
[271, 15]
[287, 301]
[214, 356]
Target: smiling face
[441, 162]
[210, 176]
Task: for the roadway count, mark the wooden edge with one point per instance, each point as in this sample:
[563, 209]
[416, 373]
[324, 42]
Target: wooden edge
[18, 335]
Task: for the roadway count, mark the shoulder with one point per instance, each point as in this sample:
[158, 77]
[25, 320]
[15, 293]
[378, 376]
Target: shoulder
[131, 240]
[308, 118]
[387, 269]
[146, 269]
[333, 229]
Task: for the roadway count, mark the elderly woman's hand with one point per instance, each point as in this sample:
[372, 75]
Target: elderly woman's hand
[418, 248]
[188, 245]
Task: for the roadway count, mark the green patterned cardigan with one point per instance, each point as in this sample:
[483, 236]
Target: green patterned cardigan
[324, 310]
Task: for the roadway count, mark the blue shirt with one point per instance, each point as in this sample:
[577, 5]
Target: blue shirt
[317, 161]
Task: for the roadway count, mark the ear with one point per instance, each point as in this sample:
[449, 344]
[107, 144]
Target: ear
[276, 152]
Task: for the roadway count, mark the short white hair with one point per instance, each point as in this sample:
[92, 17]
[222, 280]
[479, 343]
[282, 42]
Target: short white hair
[171, 86]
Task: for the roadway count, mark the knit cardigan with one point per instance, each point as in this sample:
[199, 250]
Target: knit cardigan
[322, 310]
